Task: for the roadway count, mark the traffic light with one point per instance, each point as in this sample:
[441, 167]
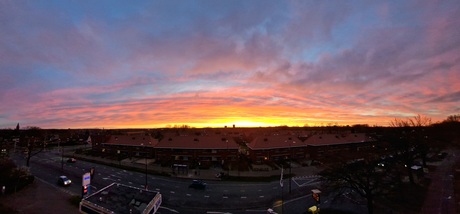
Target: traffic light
[85, 190]
[316, 197]
[91, 172]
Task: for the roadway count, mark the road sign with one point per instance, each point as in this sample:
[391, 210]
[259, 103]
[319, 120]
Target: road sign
[86, 180]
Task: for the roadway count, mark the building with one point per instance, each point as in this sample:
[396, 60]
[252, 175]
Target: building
[201, 147]
[279, 146]
[204, 148]
[119, 198]
[124, 145]
[344, 143]
[276, 146]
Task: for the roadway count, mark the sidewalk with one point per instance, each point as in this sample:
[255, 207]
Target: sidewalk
[39, 198]
[204, 174]
[440, 196]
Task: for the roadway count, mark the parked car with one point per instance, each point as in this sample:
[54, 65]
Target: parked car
[71, 160]
[221, 175]
[64, 181]
[197, 184]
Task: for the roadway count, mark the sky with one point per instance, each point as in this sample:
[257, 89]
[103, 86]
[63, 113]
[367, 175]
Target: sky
[154, 64]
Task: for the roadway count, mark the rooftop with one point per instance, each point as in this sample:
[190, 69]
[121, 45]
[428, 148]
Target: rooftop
[132, 140]
[119, 198]
[287, 140]
[209, 140]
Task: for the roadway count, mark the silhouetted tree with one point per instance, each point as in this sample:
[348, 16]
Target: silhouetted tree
[403, 148]
[369, 178]
[411, 141]
[446, 132]
[35, 143]
[453, 118]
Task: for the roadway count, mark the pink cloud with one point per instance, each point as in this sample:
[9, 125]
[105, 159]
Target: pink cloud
[231, 67]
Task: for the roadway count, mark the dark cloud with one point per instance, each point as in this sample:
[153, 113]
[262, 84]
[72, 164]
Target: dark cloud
[450, 97]
[317, 60]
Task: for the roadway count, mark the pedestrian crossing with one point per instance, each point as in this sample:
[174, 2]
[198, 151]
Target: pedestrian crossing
[310, 180]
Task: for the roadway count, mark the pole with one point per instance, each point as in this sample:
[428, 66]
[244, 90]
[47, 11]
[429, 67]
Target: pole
[290, 166]
[281, 184]
[62, 158]
[238, 165]
[59, 150]
[282, 200]
[146, 172]
[228, 164]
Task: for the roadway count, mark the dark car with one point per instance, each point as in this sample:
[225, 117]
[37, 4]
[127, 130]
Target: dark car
[197, 184]
[221, 175]
[71, 160]
[64, 181]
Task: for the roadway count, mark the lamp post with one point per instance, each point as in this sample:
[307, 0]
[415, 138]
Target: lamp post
[282, 185]
[145, 157]
[228, 164]
[62, 158]
[290, 164]
[119, 157]
[62, 155]
[146, 173]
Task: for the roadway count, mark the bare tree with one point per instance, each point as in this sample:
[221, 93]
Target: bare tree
[416, 121]
[453, 118]
[412, 141]
[369, 178]
[35, 143]
[399, 123]
[419, 121]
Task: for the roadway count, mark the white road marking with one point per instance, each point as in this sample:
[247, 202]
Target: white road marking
[175, 211]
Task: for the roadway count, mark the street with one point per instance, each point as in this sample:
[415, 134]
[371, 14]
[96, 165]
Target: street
[219, 196]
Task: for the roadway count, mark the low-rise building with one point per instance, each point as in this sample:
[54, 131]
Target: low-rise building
[119, 198]
[197, 147]
[124, 145]
[191, 148]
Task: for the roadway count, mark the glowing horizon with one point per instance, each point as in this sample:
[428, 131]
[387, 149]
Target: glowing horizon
[153, 64]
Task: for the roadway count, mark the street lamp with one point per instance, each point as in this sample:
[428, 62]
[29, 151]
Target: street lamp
[62, 154]
[145, 157]
[119, 157]
[227, 161]
[290, 164]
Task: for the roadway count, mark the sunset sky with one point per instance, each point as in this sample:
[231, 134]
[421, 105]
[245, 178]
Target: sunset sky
[153, 64]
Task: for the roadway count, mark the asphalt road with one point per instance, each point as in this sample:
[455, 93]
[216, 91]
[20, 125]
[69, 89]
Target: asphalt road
[218, 197]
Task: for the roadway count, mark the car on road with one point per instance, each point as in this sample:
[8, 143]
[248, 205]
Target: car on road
[221, 175]
[64, 181]
[71, 160]
[197, 184]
